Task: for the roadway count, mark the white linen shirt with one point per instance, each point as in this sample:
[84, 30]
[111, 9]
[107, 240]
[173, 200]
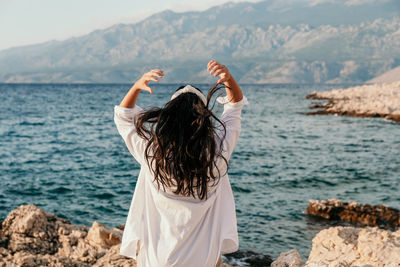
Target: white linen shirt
[176, 230]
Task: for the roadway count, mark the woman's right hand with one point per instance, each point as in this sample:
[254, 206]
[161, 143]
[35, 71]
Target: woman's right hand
[143, 83]
[233, 91]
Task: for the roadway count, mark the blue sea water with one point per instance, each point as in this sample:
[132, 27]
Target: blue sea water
[60, 150]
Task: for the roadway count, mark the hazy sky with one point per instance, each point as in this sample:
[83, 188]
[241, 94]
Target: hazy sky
[31, 21]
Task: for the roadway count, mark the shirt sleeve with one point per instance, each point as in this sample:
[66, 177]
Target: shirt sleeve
[124, 120]
[232, 119]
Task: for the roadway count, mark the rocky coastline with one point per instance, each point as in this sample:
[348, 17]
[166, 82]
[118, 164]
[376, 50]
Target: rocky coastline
[355, 213]
[30, 236]
[376, 100]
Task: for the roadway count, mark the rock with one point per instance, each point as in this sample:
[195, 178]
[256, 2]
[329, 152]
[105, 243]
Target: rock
[224, 264]
[104, 236]
[249, 258]
[121, 227]
[350, 246]
[290, 258]
[31, 229]
[31, 237]
[113, 258]
[377, 100]
[334, 209]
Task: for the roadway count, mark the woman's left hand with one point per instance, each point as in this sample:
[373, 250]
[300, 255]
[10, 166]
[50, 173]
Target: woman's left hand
[143, 83]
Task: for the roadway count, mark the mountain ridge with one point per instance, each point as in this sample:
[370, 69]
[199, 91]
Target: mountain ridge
[263, 51]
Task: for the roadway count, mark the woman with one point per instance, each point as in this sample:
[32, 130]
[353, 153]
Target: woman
[182, 212]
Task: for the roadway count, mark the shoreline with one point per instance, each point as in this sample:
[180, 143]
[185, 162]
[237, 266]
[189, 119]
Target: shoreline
[29, 236]
[367, 101]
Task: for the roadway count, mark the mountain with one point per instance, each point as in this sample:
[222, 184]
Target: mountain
[390, 76]
[275, 41]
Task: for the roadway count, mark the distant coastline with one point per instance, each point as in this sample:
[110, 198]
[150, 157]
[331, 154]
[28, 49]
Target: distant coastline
[376, 100]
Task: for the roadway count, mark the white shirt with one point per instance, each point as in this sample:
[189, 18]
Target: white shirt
[177, 230]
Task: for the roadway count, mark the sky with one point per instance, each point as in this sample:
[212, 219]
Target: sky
[24, 22]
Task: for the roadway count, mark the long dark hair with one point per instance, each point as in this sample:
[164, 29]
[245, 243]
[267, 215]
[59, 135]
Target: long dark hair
[181, 150]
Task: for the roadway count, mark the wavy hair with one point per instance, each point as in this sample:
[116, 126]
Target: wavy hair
[181, 150]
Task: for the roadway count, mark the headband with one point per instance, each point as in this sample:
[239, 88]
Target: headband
[190, 89]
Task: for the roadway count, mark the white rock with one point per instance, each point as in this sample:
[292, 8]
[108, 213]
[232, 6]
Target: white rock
[350, 246]
[290, 258]
[104, 236]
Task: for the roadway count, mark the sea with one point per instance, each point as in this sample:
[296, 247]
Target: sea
[60, 150]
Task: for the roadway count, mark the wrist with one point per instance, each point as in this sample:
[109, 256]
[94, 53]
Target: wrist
[135, 87]
[229, 80]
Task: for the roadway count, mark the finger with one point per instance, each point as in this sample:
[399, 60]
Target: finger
[213, 68]
[158, 74]
[216, 68]
[149, 74]
[212, 65]
[157, 71]
[209, 63]
[222, 80]
[219, 72]
[151, 78]
[153, 74]
[148, 89]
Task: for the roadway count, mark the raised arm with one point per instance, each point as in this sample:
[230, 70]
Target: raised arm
[127, 111]
[130, 98]
[233, 90]
[231, 116]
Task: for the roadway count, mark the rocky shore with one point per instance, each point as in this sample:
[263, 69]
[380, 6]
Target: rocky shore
[351, 246]
[353, 212]
[30, 236]
[376, 100]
